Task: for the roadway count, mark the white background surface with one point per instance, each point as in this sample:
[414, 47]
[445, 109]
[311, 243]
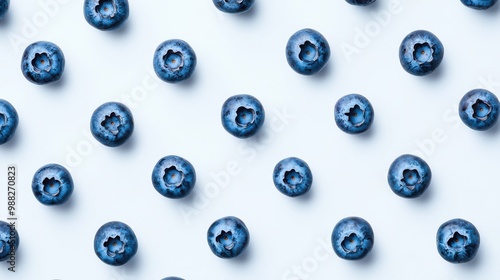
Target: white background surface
[245, 54]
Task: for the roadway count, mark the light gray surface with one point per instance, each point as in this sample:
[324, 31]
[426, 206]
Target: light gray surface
[245, 54]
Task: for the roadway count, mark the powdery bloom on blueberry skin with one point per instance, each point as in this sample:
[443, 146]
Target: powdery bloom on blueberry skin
[6, 244]
[457, 241]
[478, 109]
[228, 237]
[115, 243]
[352, 238]
[9, 121]
[4, 8]
[479, 4]
[242, 115]
[420, 53]
[112, 124]
[52, 184]
[409, 176]
[173, 177]
[360, 2]
[354, 114]
[174, 61]
[42, 63]
[106, 14]
[292, 177]
[233, 6]
[307, 51]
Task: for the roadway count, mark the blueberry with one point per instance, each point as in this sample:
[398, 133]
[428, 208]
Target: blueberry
[307, 51]
[112, 124]
[4, 7]
[420, 53]
[52, 184]
[8, 121]
[9, 240]
[352, 238]
[106, 14]
[457, 241]
[42, 63]
[174, 61]
[115, 243]
[409, 176]
[292, 177]
[353, 114]
[478, 109]
[479, 4]
[360, 2]
[233, 6]
[173, 177]
[172, 278]
[242, 115]
[228, 237]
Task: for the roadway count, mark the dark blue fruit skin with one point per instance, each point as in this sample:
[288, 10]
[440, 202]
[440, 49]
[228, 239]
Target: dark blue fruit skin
[8, 121]
[41, 76]
[466, 249]
[360, 2]
[407, 53]
[293, 50]
[237, 241]
[299, 166]
[174, 191]
[4, 8]
[6, 242]
[395, 176]
[352, 226]
[479, 4]
[46, 173]
[118, 135]
[178, 74]
[229, 114]
[113, 230]
[232, 6]
[467, 114]
[101, 22]
[343, 107]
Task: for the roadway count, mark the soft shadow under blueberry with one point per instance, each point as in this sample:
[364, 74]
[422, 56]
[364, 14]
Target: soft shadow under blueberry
[426, 196]
[129, 145]
[436, 75]
[491, 12]
[189, 83]
[492, 132]
[120, 31]
[250, 14]
[246, 256]
[367, 261]
[58, 85]
[6, 22]
[324, 73]
[475, 264]
[13, 143]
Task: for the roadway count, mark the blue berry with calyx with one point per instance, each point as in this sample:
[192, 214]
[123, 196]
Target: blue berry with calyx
[4, 8]
[106, 14]
[9, 120]
[360, 2]
[115, 243]
[9, 240]
[43, 63]
[228, 237]
[242, 115]
[352, 238]
[353, 114]
[307, 51]
[457, 241]
[233, 6]
[112, 124]
[173, 177]
[52, 184]
[478, 109]
[292, 177]
[174, 61]
[479, 4]
[409, 176]
[420, 53]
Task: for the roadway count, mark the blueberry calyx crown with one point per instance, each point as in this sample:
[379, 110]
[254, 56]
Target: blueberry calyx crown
[174, 60]
[226, 239]
[173, 177]
[356, 115]
[245, 116]
[292, 178]
[308, 52]
[115, 246]
[481, 110]
[106, 8]
[410, 178]
[112, 123]
[41, 62]
[351, 243]
[51, 186]
[458, 241]
[423, 53]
